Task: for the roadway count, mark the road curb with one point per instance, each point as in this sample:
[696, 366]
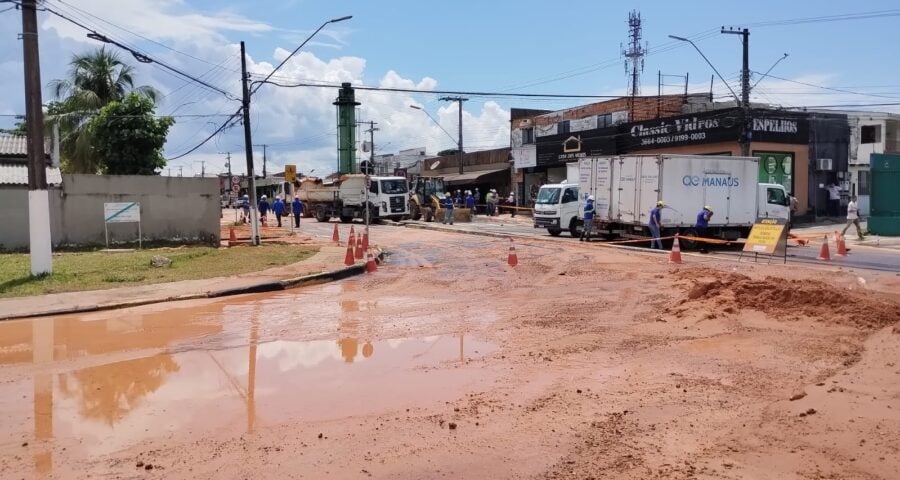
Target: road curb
[262, 287]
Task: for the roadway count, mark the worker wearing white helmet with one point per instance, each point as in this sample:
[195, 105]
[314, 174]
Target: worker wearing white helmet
[588, 220]
[448, 209]
[655, 225]
[702, 224]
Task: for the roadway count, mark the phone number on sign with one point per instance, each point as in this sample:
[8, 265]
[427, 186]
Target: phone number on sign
[666, 139]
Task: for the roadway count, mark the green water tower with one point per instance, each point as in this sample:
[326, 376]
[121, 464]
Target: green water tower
[346, 127]
[884, 215]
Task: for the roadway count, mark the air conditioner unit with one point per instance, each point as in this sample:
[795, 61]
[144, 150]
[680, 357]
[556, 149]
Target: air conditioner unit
[824, 164]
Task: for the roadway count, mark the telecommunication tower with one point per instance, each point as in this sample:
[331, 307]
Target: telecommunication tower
[634, 54]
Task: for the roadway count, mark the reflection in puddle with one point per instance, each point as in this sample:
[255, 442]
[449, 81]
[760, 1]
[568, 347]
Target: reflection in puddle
[101, 382]
[100, 409]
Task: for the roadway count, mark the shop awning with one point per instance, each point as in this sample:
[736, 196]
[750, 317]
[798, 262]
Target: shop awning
[471, 177]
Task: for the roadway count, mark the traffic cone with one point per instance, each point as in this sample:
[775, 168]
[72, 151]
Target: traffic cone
[231, 236]
[512, 259]
[370, 263]
[841, 245]
[336, 236]
[675, 254]
[824, 255]
[366, 239]
[352, 240]
[359, 249]
[352, 233]
[348, 257]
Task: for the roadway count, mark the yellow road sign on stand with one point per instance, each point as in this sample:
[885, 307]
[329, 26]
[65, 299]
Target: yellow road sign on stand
[768, 237]
[290, 173]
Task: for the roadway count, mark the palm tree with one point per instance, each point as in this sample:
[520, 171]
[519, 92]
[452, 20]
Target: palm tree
[96, 78]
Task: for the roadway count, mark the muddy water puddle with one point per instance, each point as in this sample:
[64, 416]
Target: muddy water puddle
[99, 383]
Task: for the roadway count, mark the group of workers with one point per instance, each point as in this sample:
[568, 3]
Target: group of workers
[469, 200]
[279, 208]
[654, 224]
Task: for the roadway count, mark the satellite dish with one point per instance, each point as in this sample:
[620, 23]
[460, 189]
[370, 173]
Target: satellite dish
[435, 164]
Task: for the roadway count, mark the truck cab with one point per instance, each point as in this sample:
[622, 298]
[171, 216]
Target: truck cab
[773, 202]
[556, 208]
[388, 197]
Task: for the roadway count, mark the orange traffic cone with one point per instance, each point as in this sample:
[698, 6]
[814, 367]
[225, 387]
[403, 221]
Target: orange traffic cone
[370, 263]
[352, 240]
[366, 239]
[359, 249]
[352, 232]
[348, 257]
[336, 236]
[824, 255]
[841, 245]
[512, 259]
[675, 254]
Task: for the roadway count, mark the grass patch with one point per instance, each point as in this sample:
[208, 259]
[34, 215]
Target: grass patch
[74, 271]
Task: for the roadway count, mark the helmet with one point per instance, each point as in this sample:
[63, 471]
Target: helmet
[660, 204]
[263, 197]
[447, 195]
[708, 208]
[246, 196]
[591, 198]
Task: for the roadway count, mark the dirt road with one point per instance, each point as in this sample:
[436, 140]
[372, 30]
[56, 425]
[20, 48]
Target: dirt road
[446, 363]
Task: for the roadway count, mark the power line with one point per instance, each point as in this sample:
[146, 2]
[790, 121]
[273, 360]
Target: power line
[839, 90]
[140, 57]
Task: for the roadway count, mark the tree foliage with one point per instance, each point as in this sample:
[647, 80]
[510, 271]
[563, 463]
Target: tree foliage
[127, 137]
[95, 79]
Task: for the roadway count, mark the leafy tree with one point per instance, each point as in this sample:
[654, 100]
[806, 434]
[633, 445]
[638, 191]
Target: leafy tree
[127, 138]
[95, 79]
[20, 128]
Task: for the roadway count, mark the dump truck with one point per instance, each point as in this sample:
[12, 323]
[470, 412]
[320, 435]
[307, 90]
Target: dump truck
[345, 198]
[626, 188]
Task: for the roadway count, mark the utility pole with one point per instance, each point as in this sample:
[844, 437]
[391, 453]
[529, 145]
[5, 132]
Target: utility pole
[264, 160]
[180, 171]
[38, 196]
[459, 101]
[248, 146]
[228, 164]
[371, 131]
[746, 120]
[202, 168]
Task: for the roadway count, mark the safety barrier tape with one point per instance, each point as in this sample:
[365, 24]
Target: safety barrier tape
[680, 237]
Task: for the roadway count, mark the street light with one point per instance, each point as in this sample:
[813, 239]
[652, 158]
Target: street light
[682, 39]
[433, 120]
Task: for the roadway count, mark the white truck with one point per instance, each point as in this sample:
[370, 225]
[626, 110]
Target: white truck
[557, 205]
[626, 188]
[345, 198]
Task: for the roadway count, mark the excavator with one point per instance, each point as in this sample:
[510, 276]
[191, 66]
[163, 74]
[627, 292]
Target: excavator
[424, 197]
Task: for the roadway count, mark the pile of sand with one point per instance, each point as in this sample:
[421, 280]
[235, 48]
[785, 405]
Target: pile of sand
[792, 299]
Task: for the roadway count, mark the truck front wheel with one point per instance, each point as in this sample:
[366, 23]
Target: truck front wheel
[554, 231]
[346, 219]
[573, 228]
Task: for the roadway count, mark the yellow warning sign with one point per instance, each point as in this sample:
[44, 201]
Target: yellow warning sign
[766, 237]
[290, 173]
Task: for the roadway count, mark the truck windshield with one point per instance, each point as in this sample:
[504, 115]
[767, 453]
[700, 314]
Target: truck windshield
[548, 196]
[393, 187]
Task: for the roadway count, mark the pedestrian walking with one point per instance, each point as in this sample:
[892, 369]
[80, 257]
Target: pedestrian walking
[470, 202]
[297, 210]
[448, 209]
[511, 201]
[703, 224]
[263, 209]
[278, 210]
[588, 220]
[245, 209]
[655, 225]
[491, 201]
[853, 217]
[795, 207]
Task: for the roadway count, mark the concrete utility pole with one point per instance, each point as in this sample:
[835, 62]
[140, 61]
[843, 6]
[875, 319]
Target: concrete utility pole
[180, 171]
[228, 164]
[202, 168]
[459, 101]
[371, 131]
[248, 146]
[38, 197]
[746, 121]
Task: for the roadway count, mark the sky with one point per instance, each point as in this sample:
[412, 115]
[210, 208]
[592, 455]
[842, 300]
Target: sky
[475, 46]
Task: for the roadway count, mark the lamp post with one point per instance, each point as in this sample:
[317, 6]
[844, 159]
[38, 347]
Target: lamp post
[743, 104]
[248, 141]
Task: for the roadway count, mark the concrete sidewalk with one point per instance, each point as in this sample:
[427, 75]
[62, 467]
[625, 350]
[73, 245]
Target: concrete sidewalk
[326, 265]
[851, 238]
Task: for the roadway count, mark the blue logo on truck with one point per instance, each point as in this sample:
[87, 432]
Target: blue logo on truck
[695, 181]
